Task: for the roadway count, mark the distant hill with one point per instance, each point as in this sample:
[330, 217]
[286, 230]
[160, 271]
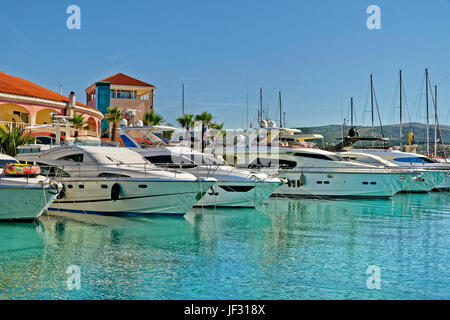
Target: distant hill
[333, 132]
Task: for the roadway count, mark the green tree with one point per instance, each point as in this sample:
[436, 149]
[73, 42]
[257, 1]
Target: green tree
[152, 119]
[216, 126]
[186, 121]
[113, 116]
[205, 119]
[13, 137]
[78, 123]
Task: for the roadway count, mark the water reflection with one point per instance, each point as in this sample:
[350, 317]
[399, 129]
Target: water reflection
[284, 250]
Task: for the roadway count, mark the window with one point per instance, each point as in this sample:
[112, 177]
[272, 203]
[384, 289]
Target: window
[29, 150]
[112, 175]
[414, 160]
[237, 188]
[45, 140]
[170, 161]
[5, 162]
[268, 162]
[124, 94]
[329, 157]
[47, 170]
[73, 157]
[160, 159]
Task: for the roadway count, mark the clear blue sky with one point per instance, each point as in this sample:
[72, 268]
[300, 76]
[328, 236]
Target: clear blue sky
[317, 52]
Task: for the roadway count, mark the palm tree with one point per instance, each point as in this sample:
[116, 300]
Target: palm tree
[78, 123]
[12, 137]
[205, 119]
[152, 119]
[216, 126]
[186, 121]
[113, 116]
[167, 134]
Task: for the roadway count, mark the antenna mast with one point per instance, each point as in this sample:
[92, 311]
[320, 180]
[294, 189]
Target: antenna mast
[401, 110]
[351, 111]
[281, 114]
[261, 117]
[371, 100]
[435, 121]
[182, 98]
[428, 116]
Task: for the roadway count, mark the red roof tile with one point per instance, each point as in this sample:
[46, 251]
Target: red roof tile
[124, 80]
[18, 86]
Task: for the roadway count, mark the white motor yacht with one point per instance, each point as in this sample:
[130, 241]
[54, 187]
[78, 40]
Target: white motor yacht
[114, 181]
[311, 172]
[434, 174]
[24, 193]
[314, 172]
[234, 187]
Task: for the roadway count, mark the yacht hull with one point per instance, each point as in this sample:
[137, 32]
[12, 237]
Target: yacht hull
[135, 196]
[444, 186]
[239, 194]
[428, 180]
[343, 184]
[25, 202]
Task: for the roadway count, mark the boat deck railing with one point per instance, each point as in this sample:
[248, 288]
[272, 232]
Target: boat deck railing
[122, 170]
[344, 169]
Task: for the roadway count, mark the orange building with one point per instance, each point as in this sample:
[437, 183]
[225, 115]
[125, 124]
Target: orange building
[121, 91]
[25, 103]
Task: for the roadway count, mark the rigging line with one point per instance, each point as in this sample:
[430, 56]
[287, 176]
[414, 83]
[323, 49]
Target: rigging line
[405, 102]
[378, 111]
[448, 115]
[439, 130]
[392, 114]
[365, 103]
[443, 80]
[418, 101]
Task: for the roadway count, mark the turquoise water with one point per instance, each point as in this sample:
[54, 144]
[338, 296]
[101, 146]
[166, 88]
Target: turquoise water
[306, 249]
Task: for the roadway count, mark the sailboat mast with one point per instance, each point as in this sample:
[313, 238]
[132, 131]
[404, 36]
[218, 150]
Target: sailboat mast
[182, 98]
[247, 106]
[281, 114]
[260, 106]
[428, 117]
[351, 112]
[371, 100]
[435, 121]
[401, 110]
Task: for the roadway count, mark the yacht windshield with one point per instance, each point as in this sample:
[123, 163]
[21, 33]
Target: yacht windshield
[329, 157]
[4, 162]
[414, 160]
